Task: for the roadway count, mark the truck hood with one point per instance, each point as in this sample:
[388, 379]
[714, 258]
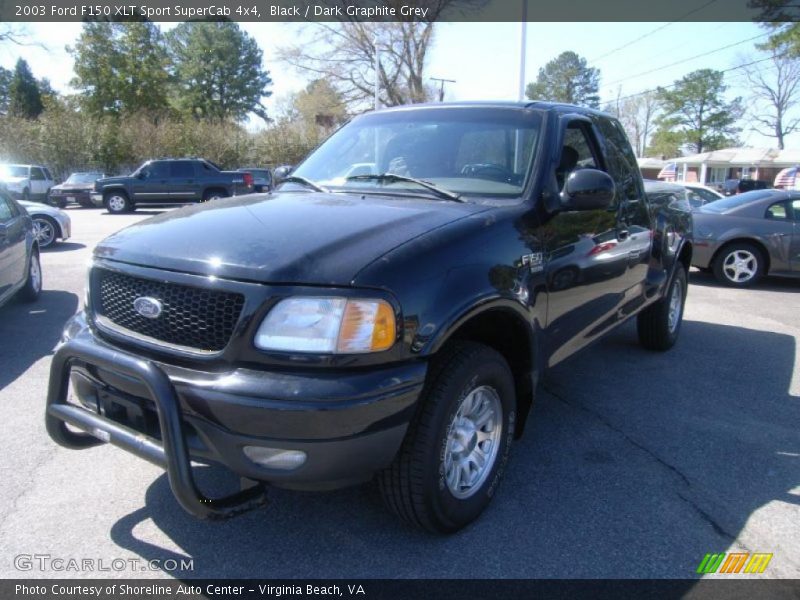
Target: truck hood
[108, 180]
[73, 186]
[290, 237]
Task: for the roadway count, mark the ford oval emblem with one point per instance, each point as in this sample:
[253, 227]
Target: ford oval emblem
[150, 308]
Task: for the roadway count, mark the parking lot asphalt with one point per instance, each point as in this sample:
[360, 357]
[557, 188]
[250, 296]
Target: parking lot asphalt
[634, 464]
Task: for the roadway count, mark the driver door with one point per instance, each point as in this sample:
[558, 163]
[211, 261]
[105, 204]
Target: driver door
[592, 257]
[153, 183]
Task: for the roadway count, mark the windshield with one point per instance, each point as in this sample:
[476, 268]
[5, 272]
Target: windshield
[83, 178]
[476, 151]
[7, 171]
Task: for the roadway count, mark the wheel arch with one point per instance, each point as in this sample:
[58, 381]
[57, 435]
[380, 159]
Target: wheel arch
[215, 188]
[744, 240]
[507, 331]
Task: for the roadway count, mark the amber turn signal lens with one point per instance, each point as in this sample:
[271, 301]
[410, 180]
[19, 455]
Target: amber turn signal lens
[367, 326]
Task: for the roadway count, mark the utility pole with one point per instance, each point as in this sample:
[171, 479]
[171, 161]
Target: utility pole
[377, 74]
[441, 88]
[522, 49]
[523, 32]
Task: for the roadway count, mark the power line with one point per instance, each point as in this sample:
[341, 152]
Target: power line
[672, 85]
[691, 58]
[653, 32]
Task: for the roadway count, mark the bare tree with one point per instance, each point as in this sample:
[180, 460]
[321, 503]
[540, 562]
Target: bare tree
[14, 33]
[774, 92]
[637, 113]
[343, 53]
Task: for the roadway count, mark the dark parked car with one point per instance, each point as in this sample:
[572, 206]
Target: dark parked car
[262, 178]
[77, 188]
[390, 323]
[20, 269]
[663, 194]
[740, 186]
[170, 181]
[747, 236]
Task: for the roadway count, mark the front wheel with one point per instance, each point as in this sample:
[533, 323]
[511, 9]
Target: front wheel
[457, 446]
[659, 324]
[118, 203]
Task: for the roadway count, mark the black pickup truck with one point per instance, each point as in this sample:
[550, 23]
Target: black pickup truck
[170, 181]
[386, 312]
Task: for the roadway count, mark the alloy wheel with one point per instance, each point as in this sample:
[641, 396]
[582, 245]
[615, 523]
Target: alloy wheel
[473, 440]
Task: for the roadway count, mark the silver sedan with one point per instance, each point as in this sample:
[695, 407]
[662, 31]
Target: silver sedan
[744, 237]
[49, 223]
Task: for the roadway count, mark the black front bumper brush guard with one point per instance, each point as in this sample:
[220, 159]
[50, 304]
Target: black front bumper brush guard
[171, 454]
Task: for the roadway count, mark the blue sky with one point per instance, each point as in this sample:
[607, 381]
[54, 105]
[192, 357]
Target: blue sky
[483, 58]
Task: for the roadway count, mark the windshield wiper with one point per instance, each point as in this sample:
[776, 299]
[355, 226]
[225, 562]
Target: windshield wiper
[305, 182]
[392, 178]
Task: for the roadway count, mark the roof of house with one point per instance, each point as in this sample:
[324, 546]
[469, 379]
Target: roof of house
[766, 157]
[652, 163]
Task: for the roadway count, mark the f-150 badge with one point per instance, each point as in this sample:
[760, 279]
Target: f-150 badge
[534, 262]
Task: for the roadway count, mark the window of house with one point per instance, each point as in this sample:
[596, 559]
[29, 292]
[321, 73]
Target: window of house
[718, 174]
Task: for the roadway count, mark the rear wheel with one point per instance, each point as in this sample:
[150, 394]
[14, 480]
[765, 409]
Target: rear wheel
[659, 324]
[33, 284]
[457, 445]
[214, 195]
[45, 230]
[117, 203]
[739, 265]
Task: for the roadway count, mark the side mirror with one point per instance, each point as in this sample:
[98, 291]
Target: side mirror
[281, 173]
[141, 175]
[588, 189]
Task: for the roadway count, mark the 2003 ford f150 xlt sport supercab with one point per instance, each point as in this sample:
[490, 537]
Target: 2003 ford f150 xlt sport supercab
[386, 312]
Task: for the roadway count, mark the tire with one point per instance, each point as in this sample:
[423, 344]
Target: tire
[659, 324]
[214, 195]
[117, 203]
[26, 194]
[423, 486]
[33, 284]
[739, 265]
[46, 230]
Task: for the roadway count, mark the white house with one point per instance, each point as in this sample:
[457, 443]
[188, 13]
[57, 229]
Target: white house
[735, 163]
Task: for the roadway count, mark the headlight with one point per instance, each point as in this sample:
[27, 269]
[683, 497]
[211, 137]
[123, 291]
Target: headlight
[328, 326]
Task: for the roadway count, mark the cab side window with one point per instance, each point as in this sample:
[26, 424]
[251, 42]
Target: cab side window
[578, 151]
[622, 166]
[182, 168]
[157, 170]
[36, 174]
